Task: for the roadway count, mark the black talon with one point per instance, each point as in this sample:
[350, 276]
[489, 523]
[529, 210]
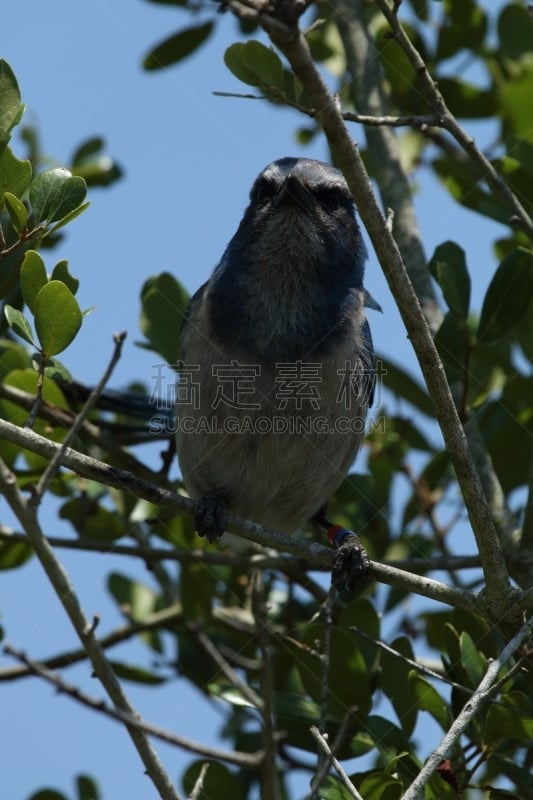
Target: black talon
[351, 562]
[210, 517]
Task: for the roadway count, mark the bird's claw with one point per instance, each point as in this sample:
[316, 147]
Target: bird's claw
[350, 564]
[210, 517]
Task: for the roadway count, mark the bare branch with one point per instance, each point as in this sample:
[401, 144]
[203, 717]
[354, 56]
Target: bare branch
[55, 463]
[281, 562]
[134, 721]
[69, 600]
[225, 668]
[314, 554]
[199, 785]
[345, 154]
[324, 748]
[369, 94]
[160, 619]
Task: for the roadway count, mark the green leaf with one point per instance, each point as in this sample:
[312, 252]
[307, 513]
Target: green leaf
[93, 165]
[403, 385]
[473, 661]
[60, 273]
[264, 62]
[138, 598]
[54, 369]
[348, 675]
[524, 332]
[452, 341]
[468, 101]
[92, 520]
[57, 317]
[19, 324]
[380, 786]
[219, 781]
[13, 355]
[515, 98]
[234, 60]
[26, 380]
[14, 554]
[178, 46]
[164, 301]
[87, 788]
[514, 32]
[465, 27]
[69, 217]
[11, 109]
[56, 193]
[511, 719]
[48, 794]
[448, 267]
[429, 700]
[394, 681]
[15, 175]
[508, 295]
[198, 582]
[32, 277]
[18, 213]
[131, 672]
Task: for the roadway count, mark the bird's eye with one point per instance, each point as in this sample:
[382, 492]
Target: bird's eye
[332, 198]
[264, 190]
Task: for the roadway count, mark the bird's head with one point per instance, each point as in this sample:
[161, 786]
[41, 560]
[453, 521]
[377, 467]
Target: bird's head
[301, 213]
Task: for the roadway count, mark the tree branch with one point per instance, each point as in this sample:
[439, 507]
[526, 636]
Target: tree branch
[134, 721]
[293, 45]
[281, 562]
[519, 215]
[368, 91]
[85, 631]
[314, 554]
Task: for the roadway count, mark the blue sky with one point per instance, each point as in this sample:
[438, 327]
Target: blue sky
[189, 159]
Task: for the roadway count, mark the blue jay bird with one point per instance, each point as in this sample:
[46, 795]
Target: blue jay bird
[277, 368]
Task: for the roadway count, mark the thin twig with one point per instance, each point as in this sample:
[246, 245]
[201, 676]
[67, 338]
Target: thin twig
[134, 721]
[55, 463]
[324, 747]
[281, 562]
[199, 785]
[416, 665]
[486, 688]
[487, 172]
[159, 619]
[326, 762]
[227, 670]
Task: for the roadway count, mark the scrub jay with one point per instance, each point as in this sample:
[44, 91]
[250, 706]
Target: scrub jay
[277, 367]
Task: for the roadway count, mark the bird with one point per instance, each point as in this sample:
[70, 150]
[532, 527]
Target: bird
[276, 366]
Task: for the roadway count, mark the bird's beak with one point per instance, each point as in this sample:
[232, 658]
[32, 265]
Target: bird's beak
[293, 192]
[369, 301]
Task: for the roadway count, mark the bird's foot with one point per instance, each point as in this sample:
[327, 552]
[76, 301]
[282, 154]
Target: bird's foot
[351, 562]
[210, 516]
